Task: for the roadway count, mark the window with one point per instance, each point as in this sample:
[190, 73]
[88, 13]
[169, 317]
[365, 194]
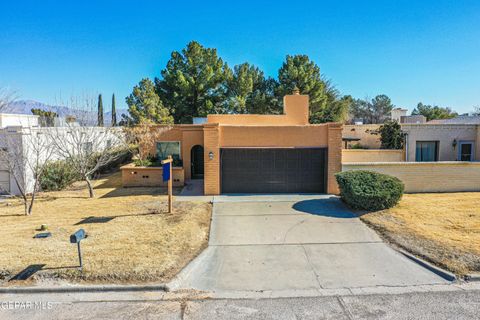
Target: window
[426, 151]
[166, 148]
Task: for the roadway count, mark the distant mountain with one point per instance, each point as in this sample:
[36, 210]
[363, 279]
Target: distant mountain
[25, 107]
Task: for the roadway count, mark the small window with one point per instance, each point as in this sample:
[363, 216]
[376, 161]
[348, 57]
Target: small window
[166, 148]
[426, 151]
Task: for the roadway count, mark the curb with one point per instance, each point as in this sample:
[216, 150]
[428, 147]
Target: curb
[472, 277]
[111, 288]
[437, 270]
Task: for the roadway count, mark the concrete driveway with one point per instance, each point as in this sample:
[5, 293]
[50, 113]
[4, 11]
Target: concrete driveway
[295, 243]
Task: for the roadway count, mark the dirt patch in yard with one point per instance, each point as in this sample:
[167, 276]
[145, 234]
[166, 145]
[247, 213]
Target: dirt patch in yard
[443, 228]
[131, 238]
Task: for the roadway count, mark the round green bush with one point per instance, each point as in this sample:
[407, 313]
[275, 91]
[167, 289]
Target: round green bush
[57, 176]
[368, 190]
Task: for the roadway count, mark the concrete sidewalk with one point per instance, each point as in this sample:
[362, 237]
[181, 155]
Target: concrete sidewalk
[295, 244]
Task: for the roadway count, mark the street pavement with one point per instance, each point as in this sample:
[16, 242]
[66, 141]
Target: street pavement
[456, 304]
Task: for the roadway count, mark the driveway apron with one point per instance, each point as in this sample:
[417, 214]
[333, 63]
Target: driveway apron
[295, 242]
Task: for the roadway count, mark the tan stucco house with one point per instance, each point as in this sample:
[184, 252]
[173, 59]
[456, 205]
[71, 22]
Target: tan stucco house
[247, 153]
[424, 142]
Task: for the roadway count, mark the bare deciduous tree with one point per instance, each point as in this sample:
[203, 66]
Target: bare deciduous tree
[142, 139]
[25, 154]
[6, 97]
[87, 148]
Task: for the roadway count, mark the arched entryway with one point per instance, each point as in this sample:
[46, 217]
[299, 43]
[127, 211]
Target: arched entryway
[196, 156]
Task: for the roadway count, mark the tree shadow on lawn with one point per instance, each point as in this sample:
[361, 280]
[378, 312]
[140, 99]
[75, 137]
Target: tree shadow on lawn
[32, 269]
[330, 207]
[105, 219]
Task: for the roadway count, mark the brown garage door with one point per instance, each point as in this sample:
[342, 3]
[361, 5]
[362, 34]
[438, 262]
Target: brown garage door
[251, 170]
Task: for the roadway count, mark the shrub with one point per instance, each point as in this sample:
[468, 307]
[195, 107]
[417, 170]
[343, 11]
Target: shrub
[391, 135]
[369, 190]
[120, 155]
[357, 146]
[57, 176]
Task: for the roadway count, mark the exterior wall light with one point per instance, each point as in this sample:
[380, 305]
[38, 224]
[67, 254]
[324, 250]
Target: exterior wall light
[454, 143]
[210, 155]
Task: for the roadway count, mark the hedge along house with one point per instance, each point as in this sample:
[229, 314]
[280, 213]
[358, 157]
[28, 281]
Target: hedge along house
[247, 153]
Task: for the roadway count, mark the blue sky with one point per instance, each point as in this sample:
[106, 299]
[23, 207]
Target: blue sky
[412, 51]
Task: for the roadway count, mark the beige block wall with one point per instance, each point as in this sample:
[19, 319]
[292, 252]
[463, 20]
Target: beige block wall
[428, 176]
[364, 133]
[444, 133]
[372, 155]
[150, 176]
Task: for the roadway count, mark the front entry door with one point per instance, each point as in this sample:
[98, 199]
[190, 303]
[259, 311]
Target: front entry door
[465, 151]
[196, 155]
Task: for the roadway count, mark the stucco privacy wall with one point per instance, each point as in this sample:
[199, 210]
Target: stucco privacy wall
[372, 155]
[364, 133]
[444, 133]
[428, 176]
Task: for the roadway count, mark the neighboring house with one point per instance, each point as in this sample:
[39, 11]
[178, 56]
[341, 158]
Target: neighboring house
[247, 153]
[22, 120]
[19, 140]
[458, 120]
[442, 142]
[456, 139]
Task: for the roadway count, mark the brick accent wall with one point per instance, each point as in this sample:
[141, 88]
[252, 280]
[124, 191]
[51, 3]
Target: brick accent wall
[448, 176]
[334, 156]
[211, 136]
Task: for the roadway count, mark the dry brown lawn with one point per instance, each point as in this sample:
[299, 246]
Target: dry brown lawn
[443, 228]
[131, 238]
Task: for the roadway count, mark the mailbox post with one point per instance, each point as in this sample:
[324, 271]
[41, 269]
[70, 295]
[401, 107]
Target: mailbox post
[76, 238]
[168, 176]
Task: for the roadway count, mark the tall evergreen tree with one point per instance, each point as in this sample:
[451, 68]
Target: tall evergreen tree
[300, 72]
[114, 112]
[434, 112]
[144, 105]
[249, 92]
[100, 111]
[193, 84]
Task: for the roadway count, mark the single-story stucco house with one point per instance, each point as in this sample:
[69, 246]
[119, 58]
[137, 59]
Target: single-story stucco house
[247, 153]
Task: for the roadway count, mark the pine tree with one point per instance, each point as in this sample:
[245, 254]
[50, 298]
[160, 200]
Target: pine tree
[114, 112]
[300, 72]
[145, 106]
[100, 111]
[193, 83]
